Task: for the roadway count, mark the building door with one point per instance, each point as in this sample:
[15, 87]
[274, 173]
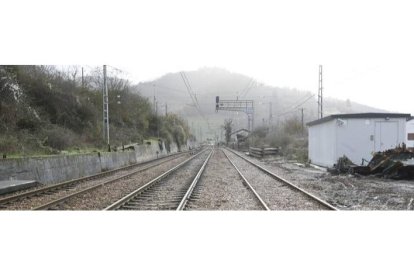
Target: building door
[386, 135]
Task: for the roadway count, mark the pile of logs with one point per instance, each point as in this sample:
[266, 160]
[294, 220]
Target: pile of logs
[263, 152]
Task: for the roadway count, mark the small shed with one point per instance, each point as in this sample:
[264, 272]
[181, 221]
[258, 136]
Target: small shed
[357, 136]
[241, 134]
[410, 134]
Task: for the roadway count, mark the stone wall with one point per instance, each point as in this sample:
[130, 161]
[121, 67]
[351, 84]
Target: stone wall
[59, 168]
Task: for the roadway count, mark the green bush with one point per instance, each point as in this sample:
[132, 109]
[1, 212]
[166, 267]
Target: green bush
[59, 138]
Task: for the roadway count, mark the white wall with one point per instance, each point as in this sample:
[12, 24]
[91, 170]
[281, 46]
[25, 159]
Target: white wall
[355, 138]
[360, 138]
[321, 148]
[410, 129]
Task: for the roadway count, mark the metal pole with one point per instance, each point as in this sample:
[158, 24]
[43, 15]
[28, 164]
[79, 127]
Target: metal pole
[83, 82]
[270, 114]
[303, 126]
[157, 119]
[252, 116]
[105, 107]
[320, 96]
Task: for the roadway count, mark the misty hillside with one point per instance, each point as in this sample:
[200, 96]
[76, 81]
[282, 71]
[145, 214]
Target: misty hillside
[207, 83]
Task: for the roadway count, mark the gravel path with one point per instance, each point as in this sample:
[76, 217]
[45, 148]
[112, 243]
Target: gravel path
[347, 192]
[221, 188]
[38, 200]
[104, 196]
[168, 193]
[277, 195]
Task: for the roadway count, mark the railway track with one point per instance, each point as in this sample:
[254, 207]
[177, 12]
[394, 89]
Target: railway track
[44, 197]
[280, 193]
[174, 187]
[224, 187]
[168, 191]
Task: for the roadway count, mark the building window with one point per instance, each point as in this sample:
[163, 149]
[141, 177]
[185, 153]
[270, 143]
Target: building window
[410, 136]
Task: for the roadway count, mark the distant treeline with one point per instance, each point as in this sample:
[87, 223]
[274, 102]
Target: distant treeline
[44, 110]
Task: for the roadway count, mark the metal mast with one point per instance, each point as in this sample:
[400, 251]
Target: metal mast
[246, 106]
[270, 114]
[320, 96]
[105, 108]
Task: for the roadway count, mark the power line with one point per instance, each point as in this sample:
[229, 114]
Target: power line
[164, 87]
[295, 107]
[193, 97]
[249, 86]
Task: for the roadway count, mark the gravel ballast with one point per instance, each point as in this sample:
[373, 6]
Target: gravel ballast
[38, 200]
[221, 188]
[276, 194]
[168, 192]
[346, 192]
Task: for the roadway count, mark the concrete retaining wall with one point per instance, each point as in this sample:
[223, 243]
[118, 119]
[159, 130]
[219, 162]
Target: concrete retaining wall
[59, 168]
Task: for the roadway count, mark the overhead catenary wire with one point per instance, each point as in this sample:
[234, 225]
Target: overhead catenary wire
[246, 90]
[194, 98]
[294, 109]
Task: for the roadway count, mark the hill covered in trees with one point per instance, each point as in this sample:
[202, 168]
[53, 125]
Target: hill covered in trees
[45, 110]
[283, 104]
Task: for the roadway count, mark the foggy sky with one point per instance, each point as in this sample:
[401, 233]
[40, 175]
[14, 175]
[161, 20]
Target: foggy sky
[366, 48]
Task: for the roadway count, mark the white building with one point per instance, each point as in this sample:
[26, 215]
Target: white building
[356, 136]
[410, 134]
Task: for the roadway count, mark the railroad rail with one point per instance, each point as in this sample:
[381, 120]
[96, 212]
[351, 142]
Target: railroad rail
[71, 184]
[288, 183]
[175, 200]
[257, 196]
[190, 190]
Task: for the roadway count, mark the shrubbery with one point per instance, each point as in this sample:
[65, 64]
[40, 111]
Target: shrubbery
[43, 110]
[289, 136]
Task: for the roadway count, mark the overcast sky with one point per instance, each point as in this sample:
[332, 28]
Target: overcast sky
[366, 47]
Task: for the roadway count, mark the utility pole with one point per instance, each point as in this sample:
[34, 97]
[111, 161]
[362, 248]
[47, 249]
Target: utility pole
[83, 82]
[303, 126]
[320, 95]
[270, 114]
[166, 109]
[105, 108]
[153, 85]
[157, 119]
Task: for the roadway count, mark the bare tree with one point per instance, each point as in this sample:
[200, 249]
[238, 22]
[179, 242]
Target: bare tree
[228, 123]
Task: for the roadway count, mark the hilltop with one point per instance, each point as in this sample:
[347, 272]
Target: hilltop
[207, 83]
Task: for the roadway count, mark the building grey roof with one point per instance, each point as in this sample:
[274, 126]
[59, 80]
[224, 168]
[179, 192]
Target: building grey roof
[240, 130]
[359, 116]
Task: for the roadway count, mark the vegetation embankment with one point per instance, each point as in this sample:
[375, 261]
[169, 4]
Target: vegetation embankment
[44, 110]
[290, 136]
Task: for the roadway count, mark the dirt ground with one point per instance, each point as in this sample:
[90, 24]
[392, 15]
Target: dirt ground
[347, 192]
